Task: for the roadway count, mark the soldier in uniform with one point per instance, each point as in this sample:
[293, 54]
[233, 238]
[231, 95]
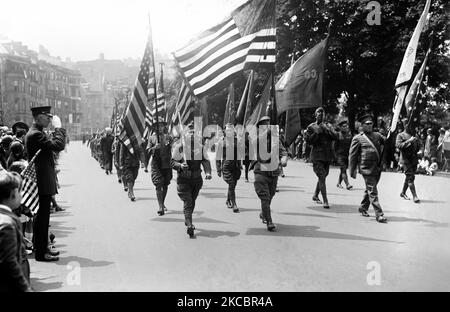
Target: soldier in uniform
[36, 140]
[116, 155]
[229, 166]
[187, 162]
[341, 149]
[106, 148]
[409, 146]
[320, 136]
[129, 166]
[161, 169]
[265, 179]
[365, 153]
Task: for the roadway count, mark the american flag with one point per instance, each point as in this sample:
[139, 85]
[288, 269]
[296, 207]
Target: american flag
[30, 195]
[132, 133]
[245, 40]
[185, 106]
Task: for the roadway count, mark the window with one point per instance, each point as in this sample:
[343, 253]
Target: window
[16, 86]
[16, 104]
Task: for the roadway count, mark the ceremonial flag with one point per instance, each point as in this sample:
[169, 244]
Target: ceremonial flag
[263, 108]
[184, 108]
[246, 102]
[407, 67]
[30, 195]
[132, 134]
[229, 108]
[216, 56]
[293, 126]
[301, 85]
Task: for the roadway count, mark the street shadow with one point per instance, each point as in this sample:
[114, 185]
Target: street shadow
[429, 223]
[215, 234]
[348, 193]
[195, 220]
[213, 195]
[84, 262]
[305, 215]
[143, 189]
[145, 198]
[429, 201]
[38, 285]
[282, 189]
[60, 230]
[197, 213]
[60, 214]
[285, 230]
[248, 209]
[335, 208]
[66, 185]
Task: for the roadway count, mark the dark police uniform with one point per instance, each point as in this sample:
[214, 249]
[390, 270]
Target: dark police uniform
[365, 153]
[189, 181]
[36, 140]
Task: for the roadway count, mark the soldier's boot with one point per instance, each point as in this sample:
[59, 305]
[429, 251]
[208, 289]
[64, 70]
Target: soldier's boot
[228, 202]
[412, 187]
[165, 188]
[233, 202]
[190, 226]
[267, 216]
[404, 189]
[160, 197]
[131, 191]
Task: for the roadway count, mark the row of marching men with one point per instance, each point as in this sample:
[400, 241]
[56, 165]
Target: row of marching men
[165, 154]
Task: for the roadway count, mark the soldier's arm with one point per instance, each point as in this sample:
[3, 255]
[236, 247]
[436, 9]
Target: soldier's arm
[8, 252]
[401, 143]
[311, 136]
[177, 158]
[283, 154]
[353, 157]
[57, 142]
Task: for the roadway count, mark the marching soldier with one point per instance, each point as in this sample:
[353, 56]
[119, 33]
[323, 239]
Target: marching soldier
[36, 140]
[161, 169]
[116, 155]
[365, 153]
[106, 148]
[341, 149]
[265, 179]
[229, 166]
[187, 161]
[320, 136]
[129, 165]
[409, 145]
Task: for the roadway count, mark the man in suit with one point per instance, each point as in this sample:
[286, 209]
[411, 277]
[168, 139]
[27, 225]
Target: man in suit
[320, 136]
[365, 153]
[409, 146]
[14, 267]
[36, 140]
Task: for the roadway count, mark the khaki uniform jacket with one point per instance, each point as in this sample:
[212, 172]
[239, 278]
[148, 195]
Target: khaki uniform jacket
[365, 153]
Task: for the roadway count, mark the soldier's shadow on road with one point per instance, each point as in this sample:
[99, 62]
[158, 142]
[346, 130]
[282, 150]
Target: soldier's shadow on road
[306, 215]
[288, 230]
[195, 220]
[59, 230]
[428, 222]
[336, 208]
[83, 262]
[38, 285]
[215, 234]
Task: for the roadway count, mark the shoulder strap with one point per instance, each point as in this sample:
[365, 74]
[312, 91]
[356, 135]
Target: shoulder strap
[371, 143]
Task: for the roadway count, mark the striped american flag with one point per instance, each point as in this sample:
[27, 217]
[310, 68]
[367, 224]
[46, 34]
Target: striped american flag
[30, 195]
[132, 133]
[185, 106]
[245, 40]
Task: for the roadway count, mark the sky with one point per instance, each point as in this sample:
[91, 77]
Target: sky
[82, 29]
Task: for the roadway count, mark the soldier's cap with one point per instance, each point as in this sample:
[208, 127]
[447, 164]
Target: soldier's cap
[19, 125]
[41, 110]
[320, 109]
[263, 119]
[364, 117]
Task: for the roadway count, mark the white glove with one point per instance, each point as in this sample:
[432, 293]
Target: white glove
[56, 122]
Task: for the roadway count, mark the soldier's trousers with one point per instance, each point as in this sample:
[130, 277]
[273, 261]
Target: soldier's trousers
[129, 174]
[40, 226]
[371, 194]
[188, 193]
[265, 187]
[410, 172]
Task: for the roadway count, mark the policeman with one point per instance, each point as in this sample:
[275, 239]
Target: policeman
[187, 157]
[266, 173]
[320, 136]
[409, 146]
[161, 169]
[36, 140]
[228, 164]
[365, 153]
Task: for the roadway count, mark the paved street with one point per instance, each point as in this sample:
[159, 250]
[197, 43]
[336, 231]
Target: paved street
[117, 245]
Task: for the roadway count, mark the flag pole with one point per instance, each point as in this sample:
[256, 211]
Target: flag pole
[154, 80]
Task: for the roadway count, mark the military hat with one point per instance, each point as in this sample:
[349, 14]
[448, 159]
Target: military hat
[365, 116]
[41, 110]
[19, 125]
[263, 119]
[342, 121]
[320, 109]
